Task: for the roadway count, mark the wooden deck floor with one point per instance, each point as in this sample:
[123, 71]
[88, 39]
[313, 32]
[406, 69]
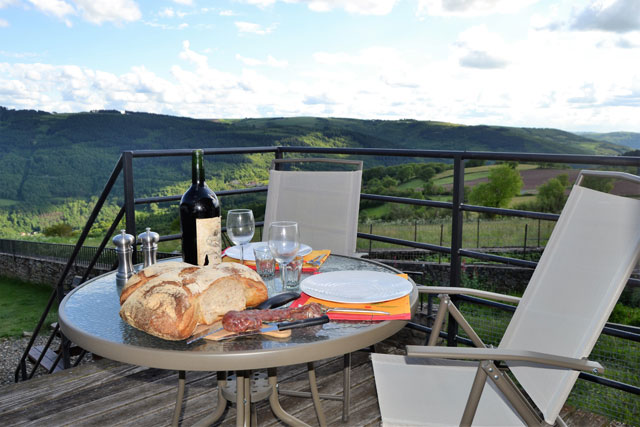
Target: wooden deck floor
[111, 393]
[107, 393]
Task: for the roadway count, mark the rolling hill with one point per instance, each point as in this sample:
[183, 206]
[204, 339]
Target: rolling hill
[49, 158]
[629, 139]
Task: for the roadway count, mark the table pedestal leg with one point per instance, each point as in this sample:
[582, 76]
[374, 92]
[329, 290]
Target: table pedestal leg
[241, 398]
[313, 385]
[222, 403]
[178, 408]
[275, 403]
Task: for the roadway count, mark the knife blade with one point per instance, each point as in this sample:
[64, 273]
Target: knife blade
[204, 333]
[282, 326]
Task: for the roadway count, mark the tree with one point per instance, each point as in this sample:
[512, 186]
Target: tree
[598, 183]
[61, 229]
[550, 197]
[504, 183]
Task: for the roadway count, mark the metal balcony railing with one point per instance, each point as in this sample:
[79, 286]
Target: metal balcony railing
[455, 251]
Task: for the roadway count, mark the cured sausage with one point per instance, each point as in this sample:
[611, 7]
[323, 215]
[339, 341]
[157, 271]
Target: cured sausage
[249, 320]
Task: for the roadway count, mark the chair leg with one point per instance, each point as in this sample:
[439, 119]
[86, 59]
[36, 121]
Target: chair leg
[474, 396]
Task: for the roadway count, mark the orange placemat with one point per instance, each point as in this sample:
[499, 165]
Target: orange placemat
[306, 268]
[398, 309]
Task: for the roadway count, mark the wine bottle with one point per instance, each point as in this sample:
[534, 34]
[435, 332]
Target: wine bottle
[200, 218]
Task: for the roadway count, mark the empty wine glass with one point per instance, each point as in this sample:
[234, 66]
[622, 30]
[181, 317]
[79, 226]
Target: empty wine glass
[240, 228]
[284, 242]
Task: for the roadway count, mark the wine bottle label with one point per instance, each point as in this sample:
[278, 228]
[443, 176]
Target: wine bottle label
[208, 240]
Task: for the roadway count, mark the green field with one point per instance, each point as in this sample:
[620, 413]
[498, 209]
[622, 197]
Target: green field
[21, 305]
[476, 233]
[470, 174]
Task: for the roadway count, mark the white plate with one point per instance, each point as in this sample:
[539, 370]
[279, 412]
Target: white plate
[356, 287]
[234, 251]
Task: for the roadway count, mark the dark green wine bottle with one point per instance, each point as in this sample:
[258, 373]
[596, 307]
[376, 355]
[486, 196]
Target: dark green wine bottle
[200, 218]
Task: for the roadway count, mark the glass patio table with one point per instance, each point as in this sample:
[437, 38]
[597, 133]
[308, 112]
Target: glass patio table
[89, 316]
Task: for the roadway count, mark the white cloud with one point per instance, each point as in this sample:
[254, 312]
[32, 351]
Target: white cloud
[480, 48]
[227, 13]
[470, 7]
[58, 8]
[200, 61]
[167, 12]
[270, 61]
[252, 28]
[363, 7]
[184, 2]
[117, 11]
[94, 11]
[3, 23]
[260, 3]
[619, 16]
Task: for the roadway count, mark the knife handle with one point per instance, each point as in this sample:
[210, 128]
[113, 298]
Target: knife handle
[278, 300]
[303, 323]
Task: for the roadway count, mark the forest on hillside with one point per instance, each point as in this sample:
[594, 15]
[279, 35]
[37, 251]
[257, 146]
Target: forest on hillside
[54, 166]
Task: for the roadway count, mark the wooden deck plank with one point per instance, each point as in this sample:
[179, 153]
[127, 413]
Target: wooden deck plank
[157, 409]
[51, 387]
[113, 397]
[83, 397]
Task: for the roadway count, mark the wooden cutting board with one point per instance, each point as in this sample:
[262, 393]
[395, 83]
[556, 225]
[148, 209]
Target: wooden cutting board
[222, 333]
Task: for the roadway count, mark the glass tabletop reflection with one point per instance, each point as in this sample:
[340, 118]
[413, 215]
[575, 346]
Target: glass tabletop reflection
[89, 316]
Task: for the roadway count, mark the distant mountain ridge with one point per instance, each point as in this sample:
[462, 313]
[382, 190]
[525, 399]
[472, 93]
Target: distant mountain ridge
[47, 158]
[630, 139]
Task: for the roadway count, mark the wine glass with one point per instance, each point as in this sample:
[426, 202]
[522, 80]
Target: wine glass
[240, 228]
[284, 242]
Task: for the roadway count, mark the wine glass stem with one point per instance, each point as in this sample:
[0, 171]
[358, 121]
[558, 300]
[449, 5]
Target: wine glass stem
[242, 253]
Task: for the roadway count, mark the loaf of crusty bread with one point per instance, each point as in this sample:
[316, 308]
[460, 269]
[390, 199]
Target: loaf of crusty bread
[169, 299]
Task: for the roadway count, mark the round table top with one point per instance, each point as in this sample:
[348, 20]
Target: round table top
[89, 316]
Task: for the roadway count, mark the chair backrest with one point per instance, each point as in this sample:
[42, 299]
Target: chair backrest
[324, 203]
[589, 257]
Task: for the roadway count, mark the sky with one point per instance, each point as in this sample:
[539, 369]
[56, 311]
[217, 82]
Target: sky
[566, 64]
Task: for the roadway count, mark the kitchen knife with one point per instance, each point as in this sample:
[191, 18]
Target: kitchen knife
[283, 326]
[274, 301]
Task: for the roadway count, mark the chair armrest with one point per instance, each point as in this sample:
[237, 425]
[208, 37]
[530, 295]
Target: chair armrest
[467, 291]
[502, 354]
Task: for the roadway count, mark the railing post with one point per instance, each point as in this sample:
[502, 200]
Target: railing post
[278, 156]
[456, 240]
[129, 206]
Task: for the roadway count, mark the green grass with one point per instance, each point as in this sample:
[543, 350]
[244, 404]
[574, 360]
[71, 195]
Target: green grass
[619, 357]
[21, 305]
[483, 233]
[412, 184]
[446, 177]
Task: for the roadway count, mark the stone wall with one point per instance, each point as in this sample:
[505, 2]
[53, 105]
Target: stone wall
[40, 270]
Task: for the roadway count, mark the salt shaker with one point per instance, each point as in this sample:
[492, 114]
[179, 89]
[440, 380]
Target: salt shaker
[124, 250]
[149, 241]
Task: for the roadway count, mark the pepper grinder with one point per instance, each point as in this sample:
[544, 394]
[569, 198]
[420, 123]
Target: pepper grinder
[149, 241]
[124, 250]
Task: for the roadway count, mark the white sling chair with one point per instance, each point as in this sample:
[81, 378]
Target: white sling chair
[584, 268]
[325, 204]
